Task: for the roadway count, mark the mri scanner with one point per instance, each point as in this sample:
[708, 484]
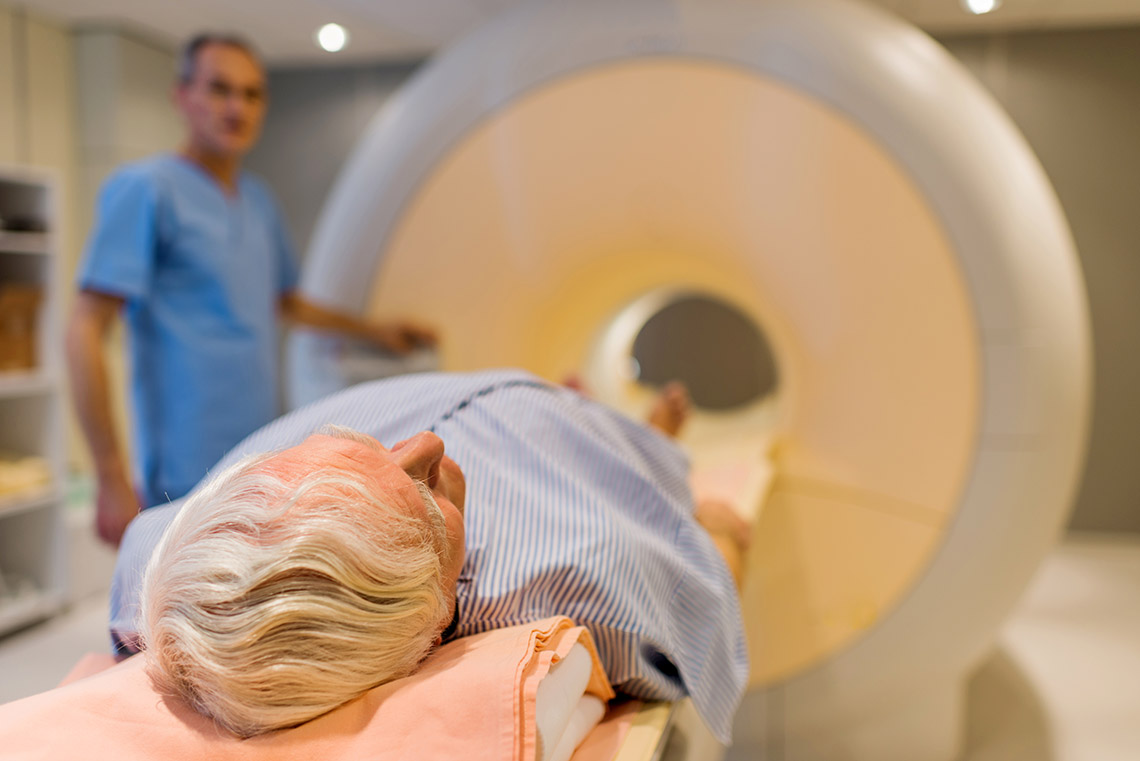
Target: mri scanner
[547, 185]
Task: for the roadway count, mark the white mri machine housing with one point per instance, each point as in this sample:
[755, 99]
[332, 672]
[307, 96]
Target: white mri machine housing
[830, 172]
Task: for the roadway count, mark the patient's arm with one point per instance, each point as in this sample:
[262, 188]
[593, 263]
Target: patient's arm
[730, 533]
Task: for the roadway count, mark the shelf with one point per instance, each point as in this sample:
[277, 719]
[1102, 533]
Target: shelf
[16, 383]
[16, 504]
[27, 607]
[32, 400]
[25, 243]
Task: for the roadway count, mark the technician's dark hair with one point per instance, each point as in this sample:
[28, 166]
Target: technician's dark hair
[188, 58]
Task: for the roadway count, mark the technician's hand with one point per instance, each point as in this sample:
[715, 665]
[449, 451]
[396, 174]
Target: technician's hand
[116, 504]
[403, 337]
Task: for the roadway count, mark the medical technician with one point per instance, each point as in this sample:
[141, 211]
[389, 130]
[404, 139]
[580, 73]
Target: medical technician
[193, 253]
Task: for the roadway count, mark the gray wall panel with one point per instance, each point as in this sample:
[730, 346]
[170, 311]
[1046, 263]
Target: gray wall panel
[1076, 97]
[315, 117]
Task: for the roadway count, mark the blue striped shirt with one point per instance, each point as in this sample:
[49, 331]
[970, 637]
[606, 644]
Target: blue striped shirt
[572, 509]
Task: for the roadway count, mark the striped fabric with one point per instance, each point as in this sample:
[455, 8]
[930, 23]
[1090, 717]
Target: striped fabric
[572, 509]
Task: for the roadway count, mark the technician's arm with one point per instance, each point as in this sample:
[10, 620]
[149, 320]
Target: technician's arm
[116, 502]
[397, 337]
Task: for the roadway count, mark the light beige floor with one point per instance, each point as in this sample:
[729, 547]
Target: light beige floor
[1063, 685]
[36, 659]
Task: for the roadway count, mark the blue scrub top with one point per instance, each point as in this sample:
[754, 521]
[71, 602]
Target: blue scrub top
[202, 272]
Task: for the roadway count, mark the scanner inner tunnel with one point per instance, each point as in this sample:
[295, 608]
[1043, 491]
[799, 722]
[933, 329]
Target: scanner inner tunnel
[535, 233]
[720, 355]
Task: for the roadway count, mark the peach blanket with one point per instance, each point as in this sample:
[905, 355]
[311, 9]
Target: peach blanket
[473, 699]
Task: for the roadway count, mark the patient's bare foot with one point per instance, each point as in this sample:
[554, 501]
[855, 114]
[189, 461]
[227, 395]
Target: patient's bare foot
[670, 409]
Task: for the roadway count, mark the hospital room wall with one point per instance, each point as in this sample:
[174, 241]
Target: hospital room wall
[1071, 92]
[38, 124]
[37, 115]
[36, 90]
[315, 117]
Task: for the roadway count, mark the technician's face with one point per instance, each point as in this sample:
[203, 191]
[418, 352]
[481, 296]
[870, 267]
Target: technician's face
[224, 102]
[395, 474]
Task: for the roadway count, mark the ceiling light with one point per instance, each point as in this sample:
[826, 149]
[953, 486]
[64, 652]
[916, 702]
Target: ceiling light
[979, 7]
[333, 37]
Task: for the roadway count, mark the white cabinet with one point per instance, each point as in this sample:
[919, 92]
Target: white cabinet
[32, 540]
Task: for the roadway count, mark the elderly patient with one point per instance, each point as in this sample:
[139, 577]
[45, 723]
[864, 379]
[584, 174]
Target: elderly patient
[294, 581]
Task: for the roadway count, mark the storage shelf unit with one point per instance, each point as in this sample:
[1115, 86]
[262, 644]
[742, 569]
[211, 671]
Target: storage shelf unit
[32, 558]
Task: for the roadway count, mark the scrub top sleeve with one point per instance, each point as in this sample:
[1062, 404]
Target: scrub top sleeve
[121, 251]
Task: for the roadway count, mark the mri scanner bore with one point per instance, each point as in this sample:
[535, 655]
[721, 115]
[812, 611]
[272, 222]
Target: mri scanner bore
[832, 175]
[713, 348]
[564, 230]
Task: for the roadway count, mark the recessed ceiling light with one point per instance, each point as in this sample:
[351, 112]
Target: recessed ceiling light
[979, 7]
[332, 37]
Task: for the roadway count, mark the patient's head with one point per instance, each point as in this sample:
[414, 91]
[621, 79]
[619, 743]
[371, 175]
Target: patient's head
[295, 581]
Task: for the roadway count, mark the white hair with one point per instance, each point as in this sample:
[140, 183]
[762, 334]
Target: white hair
[276, 597]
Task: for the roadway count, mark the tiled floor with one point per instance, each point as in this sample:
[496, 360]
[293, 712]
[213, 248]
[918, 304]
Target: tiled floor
[1064, 685]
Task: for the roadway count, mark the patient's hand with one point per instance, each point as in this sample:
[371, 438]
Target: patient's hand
[670, 409]
[731, 534]
[719, 517]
